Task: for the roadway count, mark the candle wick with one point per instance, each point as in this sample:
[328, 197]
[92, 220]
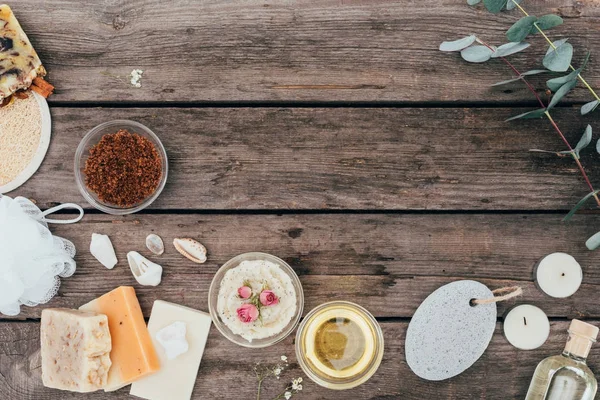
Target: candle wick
[525, 320]
[563, 274]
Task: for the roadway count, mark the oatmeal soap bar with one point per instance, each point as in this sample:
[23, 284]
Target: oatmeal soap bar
[75, 350]
[133, 355]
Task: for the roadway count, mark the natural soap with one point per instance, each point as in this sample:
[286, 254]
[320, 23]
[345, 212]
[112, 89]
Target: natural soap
[75, 350]
[176, 378]
[133, 355]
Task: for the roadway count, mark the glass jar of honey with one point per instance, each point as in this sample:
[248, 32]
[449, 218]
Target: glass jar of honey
[339, 345]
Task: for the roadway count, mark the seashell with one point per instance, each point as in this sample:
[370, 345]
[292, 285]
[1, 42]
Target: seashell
[155, 244]
[101, 247]
[144, 271]
[191, 249]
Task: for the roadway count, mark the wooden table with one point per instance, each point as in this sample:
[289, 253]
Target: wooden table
[333, 134]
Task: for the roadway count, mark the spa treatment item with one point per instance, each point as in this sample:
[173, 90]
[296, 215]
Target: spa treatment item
[191, 249]
[256, 300]
[25, 127]
[567, 376]
[177, 375]
[155, 244]
[121, 167]
[133, 355]
[75, 347]
[144, 271]
[20, 66]
[452, 328]
[558, 275]
[526, 327]
[32, 260]
[172, 339]
[102, 249]
[339, 345]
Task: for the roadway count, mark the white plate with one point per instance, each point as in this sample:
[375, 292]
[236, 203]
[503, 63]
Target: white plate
[39, 155]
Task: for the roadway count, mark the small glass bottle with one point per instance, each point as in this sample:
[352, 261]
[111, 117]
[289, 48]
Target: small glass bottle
[567, 376]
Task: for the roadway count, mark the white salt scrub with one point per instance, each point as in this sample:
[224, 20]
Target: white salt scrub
[257, 274]
[20, 134]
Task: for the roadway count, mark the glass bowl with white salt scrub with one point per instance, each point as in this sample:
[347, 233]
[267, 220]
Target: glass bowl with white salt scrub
[256, 300]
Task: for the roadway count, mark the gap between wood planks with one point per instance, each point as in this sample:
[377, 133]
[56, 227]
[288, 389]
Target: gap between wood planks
[303, 104]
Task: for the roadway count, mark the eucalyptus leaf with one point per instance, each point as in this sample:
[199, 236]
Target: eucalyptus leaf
[476, 54]
[562, 92]
[594, 242]
[494, 6]
[521, 29]
[547, 22]
[512, 4]
[532, 72]
[510, 48]
[585, 61]
[529, 115]
[598, 146]
[555, 83]
[457, 45]
[580, 204]
[589, 107]
[585, 140]
[473, 2]
[559, 59]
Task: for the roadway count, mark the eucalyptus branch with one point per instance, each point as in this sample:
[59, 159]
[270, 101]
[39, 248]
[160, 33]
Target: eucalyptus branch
[572, 152]
[541, 31]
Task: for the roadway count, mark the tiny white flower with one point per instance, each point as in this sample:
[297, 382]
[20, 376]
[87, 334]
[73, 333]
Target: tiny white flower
[284, 358]
[299, 387]
[277, 371]
[300, 380]
[295, 382]
[288, 395]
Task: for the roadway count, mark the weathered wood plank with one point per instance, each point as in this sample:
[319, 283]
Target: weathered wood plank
[338, 158]
[225, 372]
[305, 50]
[388, 263]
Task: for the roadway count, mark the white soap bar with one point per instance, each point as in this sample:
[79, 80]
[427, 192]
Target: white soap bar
[176, 377]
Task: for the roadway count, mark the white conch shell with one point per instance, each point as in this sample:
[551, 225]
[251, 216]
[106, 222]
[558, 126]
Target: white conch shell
[172, 339]
[102, 248]
[144, 271]
[155, 244]
[191, 249]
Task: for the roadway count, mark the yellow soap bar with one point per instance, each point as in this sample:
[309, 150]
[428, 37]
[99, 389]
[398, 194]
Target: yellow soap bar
[133, 355]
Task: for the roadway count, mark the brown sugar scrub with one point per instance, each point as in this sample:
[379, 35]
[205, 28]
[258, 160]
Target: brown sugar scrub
[123, 169]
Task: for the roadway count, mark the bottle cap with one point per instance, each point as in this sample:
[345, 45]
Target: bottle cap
[584, 329]
[581, 337]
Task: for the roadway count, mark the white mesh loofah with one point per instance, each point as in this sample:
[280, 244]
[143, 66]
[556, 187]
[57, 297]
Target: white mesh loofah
[31, 259]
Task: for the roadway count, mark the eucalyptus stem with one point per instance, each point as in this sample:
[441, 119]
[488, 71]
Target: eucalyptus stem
[540, 30]
[552, 122]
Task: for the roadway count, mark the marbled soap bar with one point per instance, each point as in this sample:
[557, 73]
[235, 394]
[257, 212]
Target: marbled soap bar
[177, 376]
[75, 350]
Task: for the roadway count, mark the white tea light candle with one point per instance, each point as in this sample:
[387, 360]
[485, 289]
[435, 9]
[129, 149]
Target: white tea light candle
[526, 327]
[559, 275]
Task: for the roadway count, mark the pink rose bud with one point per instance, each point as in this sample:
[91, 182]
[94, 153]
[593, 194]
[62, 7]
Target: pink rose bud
[268, 298]
[245, 292]
[247, 313]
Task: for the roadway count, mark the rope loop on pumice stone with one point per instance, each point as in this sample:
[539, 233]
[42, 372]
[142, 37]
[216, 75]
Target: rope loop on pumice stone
[500, 294]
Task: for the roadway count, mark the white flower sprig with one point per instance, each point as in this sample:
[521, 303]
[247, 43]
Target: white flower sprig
[264, 372]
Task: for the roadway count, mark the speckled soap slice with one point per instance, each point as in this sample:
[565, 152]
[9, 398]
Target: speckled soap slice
[75, 349]
[447, 335]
